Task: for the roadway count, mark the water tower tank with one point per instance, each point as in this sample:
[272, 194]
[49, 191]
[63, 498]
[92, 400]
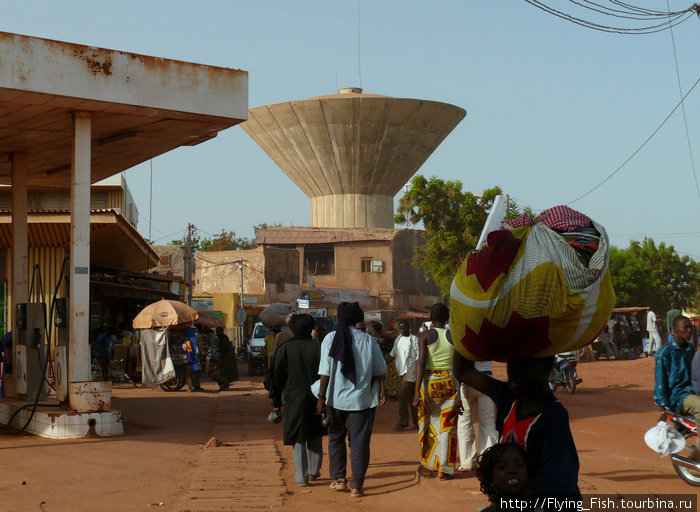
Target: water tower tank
[351, 152]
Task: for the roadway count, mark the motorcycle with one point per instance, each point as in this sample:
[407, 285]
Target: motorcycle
[242, 355]
[686, 467]
[564, 372]
[179, 359]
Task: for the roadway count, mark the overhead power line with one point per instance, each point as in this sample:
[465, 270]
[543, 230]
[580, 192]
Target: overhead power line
[665, 20]
[640, 147]
[685, 120]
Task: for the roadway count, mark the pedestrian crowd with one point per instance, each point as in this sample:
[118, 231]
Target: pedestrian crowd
[332, 387]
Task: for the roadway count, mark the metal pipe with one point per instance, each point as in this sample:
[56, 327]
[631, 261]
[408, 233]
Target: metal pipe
[685, 462]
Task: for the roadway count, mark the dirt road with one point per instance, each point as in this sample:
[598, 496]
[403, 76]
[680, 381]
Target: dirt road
[161, 463]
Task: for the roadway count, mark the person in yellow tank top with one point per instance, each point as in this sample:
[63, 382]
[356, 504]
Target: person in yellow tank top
[437, 398]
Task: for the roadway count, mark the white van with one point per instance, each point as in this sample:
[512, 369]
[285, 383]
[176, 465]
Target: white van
[256, 363]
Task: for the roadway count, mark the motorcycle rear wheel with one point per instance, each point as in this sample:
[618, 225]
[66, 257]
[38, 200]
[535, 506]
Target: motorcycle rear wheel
[570, 380]
[689, 476]
[174, 384]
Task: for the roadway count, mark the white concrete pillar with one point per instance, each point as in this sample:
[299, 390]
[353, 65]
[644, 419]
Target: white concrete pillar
[20, 250]
[79, 302]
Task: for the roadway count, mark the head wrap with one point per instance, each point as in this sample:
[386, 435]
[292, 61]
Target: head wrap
[302, 325]
[349, 313]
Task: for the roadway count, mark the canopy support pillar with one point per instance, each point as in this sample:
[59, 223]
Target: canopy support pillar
[20, 254]
[79, 302]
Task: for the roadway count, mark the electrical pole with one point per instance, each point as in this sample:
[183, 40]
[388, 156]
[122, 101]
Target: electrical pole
[240, 266]
[188, 263]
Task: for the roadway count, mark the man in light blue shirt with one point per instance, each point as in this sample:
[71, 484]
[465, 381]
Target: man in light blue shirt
[351, 372]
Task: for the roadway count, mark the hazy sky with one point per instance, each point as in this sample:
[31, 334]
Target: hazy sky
[552, 108]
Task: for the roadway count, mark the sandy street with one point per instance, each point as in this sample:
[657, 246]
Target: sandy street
[161, 463]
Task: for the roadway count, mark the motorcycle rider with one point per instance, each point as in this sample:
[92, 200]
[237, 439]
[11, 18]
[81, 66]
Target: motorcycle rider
[673, 374]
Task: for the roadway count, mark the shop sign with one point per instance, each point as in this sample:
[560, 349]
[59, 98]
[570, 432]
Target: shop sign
[318, 312]
[303, 303]
[249, 300]
[375, 316]
[203, 304]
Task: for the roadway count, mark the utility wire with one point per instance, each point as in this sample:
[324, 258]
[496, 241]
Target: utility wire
[640, 147]
[628, 14]
[685, 120]
[675, 18]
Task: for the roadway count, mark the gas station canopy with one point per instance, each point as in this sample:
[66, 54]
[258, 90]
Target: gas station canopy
[140, 106]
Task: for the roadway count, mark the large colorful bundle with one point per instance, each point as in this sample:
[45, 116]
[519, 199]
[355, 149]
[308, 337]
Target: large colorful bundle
[539, 287]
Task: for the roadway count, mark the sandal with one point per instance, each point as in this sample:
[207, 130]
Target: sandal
[444, 477]
[422, 471]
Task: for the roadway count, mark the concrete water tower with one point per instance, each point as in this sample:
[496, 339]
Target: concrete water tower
[351, 152]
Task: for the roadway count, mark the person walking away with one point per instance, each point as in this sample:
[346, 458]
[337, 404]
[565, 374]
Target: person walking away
[103, 350]
[528, 414]
[351, 375]
[673, 375]
[404, 354]
[192, 359]
[296, 364]
[228, 368]
[475, 401]
[437, 397]
[654, 338]
[671, 315]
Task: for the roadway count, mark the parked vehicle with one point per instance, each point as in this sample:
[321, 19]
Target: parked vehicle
[684, 464]
[257, 365]
[564, 372]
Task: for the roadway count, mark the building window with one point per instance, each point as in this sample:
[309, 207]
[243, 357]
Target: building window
[366, 264]
[320, 259]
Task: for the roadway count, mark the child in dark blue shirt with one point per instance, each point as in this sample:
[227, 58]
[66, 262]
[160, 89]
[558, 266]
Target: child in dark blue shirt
[528, 414]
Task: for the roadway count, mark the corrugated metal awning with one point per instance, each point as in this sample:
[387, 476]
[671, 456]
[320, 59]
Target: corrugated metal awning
[114, 242]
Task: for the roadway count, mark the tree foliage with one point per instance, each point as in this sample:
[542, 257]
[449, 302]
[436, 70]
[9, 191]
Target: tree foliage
[645, 274]
[224, 241]
[452, 219]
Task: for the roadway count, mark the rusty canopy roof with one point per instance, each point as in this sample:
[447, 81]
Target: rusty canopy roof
[114, 242]
[140, 106]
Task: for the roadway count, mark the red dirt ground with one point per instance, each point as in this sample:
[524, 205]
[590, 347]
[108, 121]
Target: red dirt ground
[159, 462]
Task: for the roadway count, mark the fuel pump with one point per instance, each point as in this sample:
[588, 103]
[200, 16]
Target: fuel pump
[32, 344]
[60, 308]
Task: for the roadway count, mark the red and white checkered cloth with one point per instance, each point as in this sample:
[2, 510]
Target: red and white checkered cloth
[559, 218]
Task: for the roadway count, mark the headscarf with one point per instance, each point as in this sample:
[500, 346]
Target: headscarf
[349, 313]
[302, 325]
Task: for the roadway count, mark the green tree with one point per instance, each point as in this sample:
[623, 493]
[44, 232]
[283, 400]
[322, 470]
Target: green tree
[645, 274]
[224, 241]
[452, 219]
[227, 241]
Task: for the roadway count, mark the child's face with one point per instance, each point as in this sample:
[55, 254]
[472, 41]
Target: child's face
[510, 472]
[526, 377]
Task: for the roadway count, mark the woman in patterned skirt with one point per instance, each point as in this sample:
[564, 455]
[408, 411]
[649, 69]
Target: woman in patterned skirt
[437, 398]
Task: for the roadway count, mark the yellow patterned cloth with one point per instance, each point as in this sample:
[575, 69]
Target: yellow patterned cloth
[438, 412]
[527, 294]
[392, 381]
